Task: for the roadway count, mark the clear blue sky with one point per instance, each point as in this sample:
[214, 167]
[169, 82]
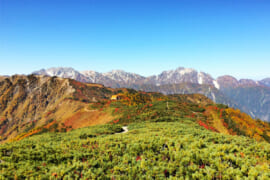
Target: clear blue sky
[141, 36]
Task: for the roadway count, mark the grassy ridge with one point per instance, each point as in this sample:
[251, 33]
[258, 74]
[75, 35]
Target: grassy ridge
[180, 149]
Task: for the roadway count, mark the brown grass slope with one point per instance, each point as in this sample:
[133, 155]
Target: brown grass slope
[30, 102]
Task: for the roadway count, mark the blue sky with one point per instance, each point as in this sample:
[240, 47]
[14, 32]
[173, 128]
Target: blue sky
[141, 36]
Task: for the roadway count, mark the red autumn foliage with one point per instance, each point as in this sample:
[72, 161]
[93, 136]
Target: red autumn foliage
[79, 91]
[225, 124]
[206, 126]
[84, 146]
[202, 166]
[242, 154]
[95, 146]
[212, 129]
[138, 158]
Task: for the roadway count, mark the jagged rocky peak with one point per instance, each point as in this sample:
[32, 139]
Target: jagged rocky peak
[90, 73]
[122, 76]
[204, 78]
[227, 81]
[183, 70]
[65, 72]
[230, 81]
[181, 75]
[178, 75]
[92, 76]
[248, 82]
[265, 82]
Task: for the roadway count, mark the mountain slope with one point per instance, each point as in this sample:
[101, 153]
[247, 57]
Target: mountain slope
[32, 102]
[266, 82]
[222, 93]
[190, 88]
[254, 99]
[187, 135]
[37, 104]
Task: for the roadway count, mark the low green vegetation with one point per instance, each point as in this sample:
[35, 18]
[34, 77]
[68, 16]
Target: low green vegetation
[149, 150]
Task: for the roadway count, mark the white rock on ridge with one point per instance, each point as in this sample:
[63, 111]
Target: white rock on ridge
[216, 84]
[200, 78]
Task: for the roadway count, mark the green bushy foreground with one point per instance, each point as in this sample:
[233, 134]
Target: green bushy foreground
[173, 150]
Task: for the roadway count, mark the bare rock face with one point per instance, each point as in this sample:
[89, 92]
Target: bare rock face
[266, 82]
[227, 81]
[28, 102]
[24, 99]
[248, 82]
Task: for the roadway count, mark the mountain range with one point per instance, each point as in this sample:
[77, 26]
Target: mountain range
[118, 78]
[252, 97]
[35, 104]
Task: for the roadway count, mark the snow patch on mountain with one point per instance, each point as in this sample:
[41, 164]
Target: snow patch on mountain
[122, 76]
[184, 71]
[216, 84]
[92, 76]
[200, 78]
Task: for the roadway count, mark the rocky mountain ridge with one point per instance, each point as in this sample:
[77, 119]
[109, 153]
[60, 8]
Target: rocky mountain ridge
[183, 81]
[118, 78]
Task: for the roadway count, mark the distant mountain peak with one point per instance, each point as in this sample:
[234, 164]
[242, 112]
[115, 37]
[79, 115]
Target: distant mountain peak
[181, 81]
[117, 71]
[183, 71]
[266, 82]
[120, 78]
